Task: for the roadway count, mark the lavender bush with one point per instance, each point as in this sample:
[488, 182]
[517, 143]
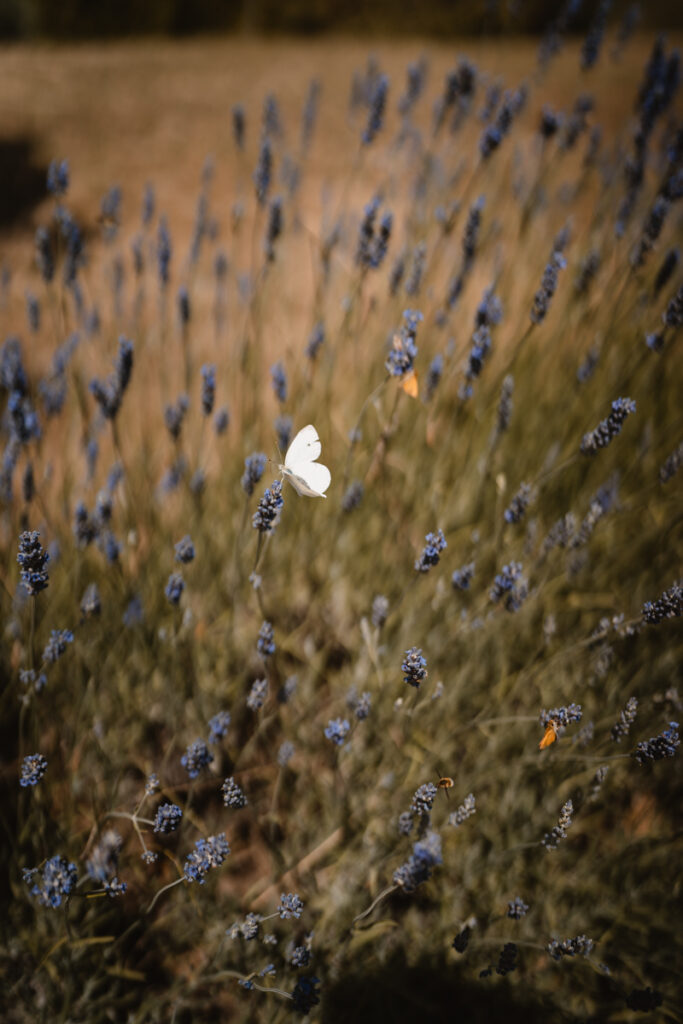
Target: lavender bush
[204, 673]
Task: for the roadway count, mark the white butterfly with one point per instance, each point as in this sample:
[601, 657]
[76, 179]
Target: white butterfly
[305, 474]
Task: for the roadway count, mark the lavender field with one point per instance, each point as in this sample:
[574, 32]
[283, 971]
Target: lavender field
[408, 748]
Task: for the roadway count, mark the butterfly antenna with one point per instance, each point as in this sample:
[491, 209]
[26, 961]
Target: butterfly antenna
[272, 461]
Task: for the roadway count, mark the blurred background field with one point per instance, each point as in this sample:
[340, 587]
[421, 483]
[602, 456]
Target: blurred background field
[138, 112]
[132, 112]
[79, 19]
[144, 673]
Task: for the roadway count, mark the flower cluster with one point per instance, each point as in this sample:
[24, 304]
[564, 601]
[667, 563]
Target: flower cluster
[337, 730]
[579, 946]
[208, 372]
[167, 819]
[517, 909]
[285, 753]
[434, 374]
[516, 510]
[671, 465]
[550, 122]
[466, 809]
[305, 994]
[561, 717]
[658, 747]
[109, 393]
[459, 87]
[221, 420]
[184, 550]
[414, 279]
[461, 578]
[435, 543]
[359, 705]
[378, 102]
[44, 254]
[33, 767]
[315, 341]
[544, 295]
[114, 888]
[90, 602]
[461, 940]
[597, 781]
[264, 169]
[423, 798]
[510, 586]
[471, 233]
[494, 133]
[174, 415]
[283, 429]
[414, 667]
[415, 74]
[208, 853]
[57, 644]
[403, 352]
[489, 313]
[254, 466]
[233, 796]
[174, 588]
[673, 314]
[666, 270]
[668, 606]
[218, 726]
[551, 840]
[507, 959]
[279, 381]
[59, 878]
[373, 243]
[266, 516]
[505, 403]
[353, 496]
[265, 644]
[608, 428]
[290, 906]
[273, 230]
[300, 956]
[58, 177]
[626, 719]
[33, 558]
[561, 533]
[258, 694]
[380, 610]
[247, 929]
[588, 269]
[405, 823]
[196, 758]
[29, 678]
[152, 784]
[418, 868]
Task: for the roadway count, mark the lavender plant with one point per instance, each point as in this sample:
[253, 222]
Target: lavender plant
[151, 580]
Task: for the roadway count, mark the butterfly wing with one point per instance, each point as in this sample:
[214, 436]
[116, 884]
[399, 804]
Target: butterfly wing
[309, 478]
[305, 447]
[409, 384]
[549, 737]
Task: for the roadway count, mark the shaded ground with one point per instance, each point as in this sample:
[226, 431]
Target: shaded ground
[22, 180]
